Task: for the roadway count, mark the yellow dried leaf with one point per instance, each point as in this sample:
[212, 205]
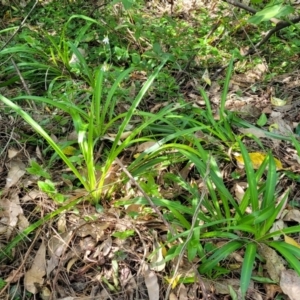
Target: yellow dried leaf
[206, 78]
[278, 101]
[164, 250]
[69, 150]
[257, 159]
[173, 280]
[291, 241]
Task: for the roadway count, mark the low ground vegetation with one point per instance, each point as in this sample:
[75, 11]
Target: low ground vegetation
[149, 150]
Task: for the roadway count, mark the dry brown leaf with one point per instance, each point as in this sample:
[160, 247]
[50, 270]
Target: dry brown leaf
[112, 136]
[278, 225]
[173, 297]
[279, 124]
[151, 283]
[271, 290]
[62, 223]
[144, 146]
[16, 171]
[14, 276]
[34, 276]
[106, 245]
[182, 292]
[290, 284]
[12, 152]
[32, 195]
[292, 215]
[157, 106]
[221, 287]
[56, 247]
[104, 295]
[128, 282]
[11, 210]
[96, 230]
[274, 262]
[23, 223]
[239, 190]
[255, 131]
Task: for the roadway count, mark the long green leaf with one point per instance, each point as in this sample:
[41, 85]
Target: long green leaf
[84, 67]
[225, 89]
[45, 135]
[247, 267]
[250, 177]
[271, 182]
[110, 102]
[288, 230]
[67, 107]
[289, 252]
[219, 255]
[269, 221]
[97, 114]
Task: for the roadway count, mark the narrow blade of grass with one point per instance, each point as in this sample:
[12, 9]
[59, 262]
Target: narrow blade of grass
[247, 267]
[219, 255]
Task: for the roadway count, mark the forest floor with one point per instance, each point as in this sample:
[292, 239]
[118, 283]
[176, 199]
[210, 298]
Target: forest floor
[134, 242]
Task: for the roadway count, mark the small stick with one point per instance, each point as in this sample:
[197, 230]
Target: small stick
[145, 195]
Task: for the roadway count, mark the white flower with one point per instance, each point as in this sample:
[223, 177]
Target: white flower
[106, 40]
[105, 67]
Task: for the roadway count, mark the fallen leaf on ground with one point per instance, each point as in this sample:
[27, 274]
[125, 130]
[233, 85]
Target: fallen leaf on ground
[291, 241]
[278, 225]
[151, 283]
[173, 280]
[290, 284]
[56, 247]
[11, 211]
[16, 171]
[182, 292]
[277, 101]
[222, 286]
[257, 159]
[271, 290]
[146, 145]
[274, 262]
[12, 152]
[292, 215]
[34, 277]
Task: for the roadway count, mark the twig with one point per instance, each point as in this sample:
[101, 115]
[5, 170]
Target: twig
[29, 251]
[146, 196]
[7, 144]
[279, 25]
[20, 27]
[191, 230]
[241, 5]
[24, 84]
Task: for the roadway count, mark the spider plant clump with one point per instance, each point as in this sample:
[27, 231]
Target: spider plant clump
[91, 121]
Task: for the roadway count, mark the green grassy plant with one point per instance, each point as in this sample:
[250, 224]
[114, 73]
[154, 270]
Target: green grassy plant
[49, 62]
[91, 125]
[221, 216]
[240, 229]
[91, 122]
